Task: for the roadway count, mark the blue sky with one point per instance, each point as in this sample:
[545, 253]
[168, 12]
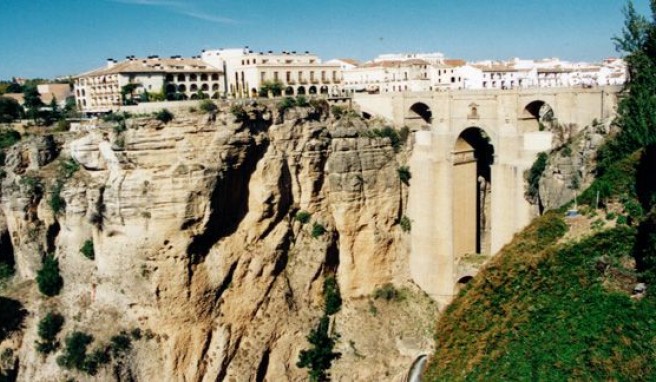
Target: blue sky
[48, 38]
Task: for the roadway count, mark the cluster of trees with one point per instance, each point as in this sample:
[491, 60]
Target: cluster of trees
[33, 107]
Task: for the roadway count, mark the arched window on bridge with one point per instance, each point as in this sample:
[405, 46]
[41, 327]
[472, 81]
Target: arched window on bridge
[536, 116]
[420, 112]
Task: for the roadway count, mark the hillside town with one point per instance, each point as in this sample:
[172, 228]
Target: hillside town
[244, 73]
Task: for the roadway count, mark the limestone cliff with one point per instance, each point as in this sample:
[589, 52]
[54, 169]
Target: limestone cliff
[195, 240]
[571, 165]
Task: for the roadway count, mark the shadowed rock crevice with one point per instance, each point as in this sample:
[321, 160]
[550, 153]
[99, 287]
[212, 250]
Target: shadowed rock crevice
[263, 366]
[7, 249]
[228, 204]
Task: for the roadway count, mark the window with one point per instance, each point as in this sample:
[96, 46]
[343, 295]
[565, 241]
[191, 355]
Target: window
[263, 76]
[288, 76]
[275, 76]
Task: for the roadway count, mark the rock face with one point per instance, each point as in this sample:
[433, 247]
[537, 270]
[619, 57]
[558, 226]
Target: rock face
[196, 244]
[571, 167]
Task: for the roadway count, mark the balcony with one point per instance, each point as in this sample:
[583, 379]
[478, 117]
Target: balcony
[303, 81]
[336, 81]
[314, 81]
[291, 82]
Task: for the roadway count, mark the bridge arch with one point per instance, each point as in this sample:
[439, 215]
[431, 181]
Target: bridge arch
[473, 157]
[537, 115]
[420, 112]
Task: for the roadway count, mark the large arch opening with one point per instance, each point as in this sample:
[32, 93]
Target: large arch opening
[420, 112]
[473, 157]
[536, 116]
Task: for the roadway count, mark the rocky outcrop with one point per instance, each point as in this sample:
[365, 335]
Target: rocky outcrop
[571, 166]
[196, 243]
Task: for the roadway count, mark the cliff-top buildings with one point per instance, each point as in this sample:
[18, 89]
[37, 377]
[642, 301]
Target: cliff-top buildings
[242, 73]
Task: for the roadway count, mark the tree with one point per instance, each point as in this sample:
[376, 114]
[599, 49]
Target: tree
[637, 111]
[48, 278]
[49, 327]
[128, 90]
[10, 110]
[32, 102]
[320, 356]
[273, 87]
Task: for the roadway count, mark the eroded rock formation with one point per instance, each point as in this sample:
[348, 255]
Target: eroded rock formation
[195, 242]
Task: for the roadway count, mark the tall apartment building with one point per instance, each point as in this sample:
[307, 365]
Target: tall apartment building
[99, 91]
[299, 73]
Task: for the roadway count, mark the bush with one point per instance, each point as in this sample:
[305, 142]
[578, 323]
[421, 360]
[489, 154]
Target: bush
[303, 217]
[12, 315]
[207, 106]
[391, 133]
[388, 292]
[87, 249]
[56, 202]
[239, 113]
[404, 174]
[48, 329]
[95, 360]
[332, 296]
[8, 137]
[302, 101]
[534, 174]
[317, 230]
[75, 352]
[286, 103]
[6, 271]
[164, 115]
[275, 87]
[120, 344]
[405, 223]
[338, 111]
[136, 334]
[48, 278]
[68, 167]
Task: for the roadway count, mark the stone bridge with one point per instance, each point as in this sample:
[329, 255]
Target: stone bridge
[471, 149]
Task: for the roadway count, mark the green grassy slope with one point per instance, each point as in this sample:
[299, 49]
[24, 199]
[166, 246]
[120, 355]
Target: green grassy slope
[547, 311]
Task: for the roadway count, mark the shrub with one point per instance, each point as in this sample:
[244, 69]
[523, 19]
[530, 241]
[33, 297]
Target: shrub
[87, 249]
[48, 278]
[317, 230]
[405, 223]
[337, 111]
[68, 167]
[320, 356]
[391, 133]
[388, 292]
[404, 174]
[6, 271]
[8, 137]
[286, 103]
[95, 360]
[239, 113]
[302, 101]
[207, 106]
[120, 344]
[56, 202]
[534, 174]
[136, 334]
[75, 352]
[332, 296]
[48, 329]
[33, 185]
[164, 115]
[303, 217]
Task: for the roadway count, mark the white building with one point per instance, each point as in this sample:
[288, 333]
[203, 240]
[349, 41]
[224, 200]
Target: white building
[298, 73]
[175, 78]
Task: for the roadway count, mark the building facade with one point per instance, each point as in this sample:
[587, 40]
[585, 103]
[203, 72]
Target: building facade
[176, 78]
[297, 73]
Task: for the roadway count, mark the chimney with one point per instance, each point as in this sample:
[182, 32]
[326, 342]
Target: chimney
[110, 63]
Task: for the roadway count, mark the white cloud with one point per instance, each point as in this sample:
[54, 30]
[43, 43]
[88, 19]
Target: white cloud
[182, 8]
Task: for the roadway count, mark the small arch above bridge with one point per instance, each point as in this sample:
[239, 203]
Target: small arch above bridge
[535, 116]
[419, 113]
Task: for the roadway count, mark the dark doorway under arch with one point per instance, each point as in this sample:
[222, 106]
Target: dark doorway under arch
[473, 156]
